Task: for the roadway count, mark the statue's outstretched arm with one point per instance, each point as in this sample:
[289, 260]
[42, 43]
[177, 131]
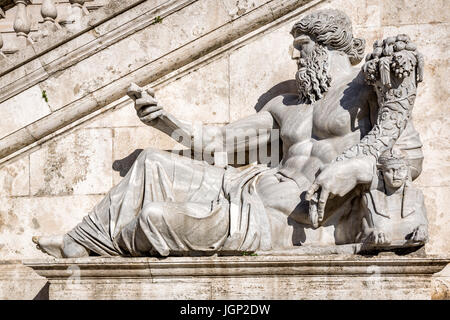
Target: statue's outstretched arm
[241, 135]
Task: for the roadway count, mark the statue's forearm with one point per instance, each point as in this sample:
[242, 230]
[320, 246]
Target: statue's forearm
[244, 134]
[391, 122]
[394, 70]
[179, 130]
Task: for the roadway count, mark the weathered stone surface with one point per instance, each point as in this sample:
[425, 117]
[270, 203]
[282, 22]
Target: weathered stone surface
[275, 277]
[436, 141]
[21, 218]
[15, 178]
[236, 8]
[79, 163]
[414, 11]
[18, 282]
[436, 199]
[191, 98]
[32, 69]
[17, 111]
[440, 284]
[134, 51]
[123, 115]
[434, 93]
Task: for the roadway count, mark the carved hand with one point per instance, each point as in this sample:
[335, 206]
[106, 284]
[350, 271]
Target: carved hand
[146, 105]
[337, 179]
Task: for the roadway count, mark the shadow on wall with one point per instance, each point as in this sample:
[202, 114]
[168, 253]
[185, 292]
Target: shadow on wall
[285, 87]
[123, 165]
[44, 293]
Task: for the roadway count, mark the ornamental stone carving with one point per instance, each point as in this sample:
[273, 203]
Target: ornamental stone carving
[349, 156]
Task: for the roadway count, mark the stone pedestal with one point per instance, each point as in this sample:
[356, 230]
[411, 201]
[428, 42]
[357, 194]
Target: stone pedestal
[243, 277]
[18, 282]
[440, 284]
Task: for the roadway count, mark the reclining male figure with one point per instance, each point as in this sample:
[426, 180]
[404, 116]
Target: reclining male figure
[170, 204]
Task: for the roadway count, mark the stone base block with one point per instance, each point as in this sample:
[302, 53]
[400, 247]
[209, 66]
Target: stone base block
[243, 277]
[18, 282]
[440, 284]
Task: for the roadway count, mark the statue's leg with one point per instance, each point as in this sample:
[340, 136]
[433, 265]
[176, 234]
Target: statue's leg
[285, 208]
[284, 195]
[172, 228]
[156, 176]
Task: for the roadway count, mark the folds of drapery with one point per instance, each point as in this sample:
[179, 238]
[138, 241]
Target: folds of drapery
[169, 204]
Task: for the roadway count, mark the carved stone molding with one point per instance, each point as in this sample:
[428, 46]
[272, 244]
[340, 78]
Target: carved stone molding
[268, 277]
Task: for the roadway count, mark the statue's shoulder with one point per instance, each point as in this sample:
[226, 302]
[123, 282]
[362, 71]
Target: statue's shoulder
[280, 102]
[356, 93]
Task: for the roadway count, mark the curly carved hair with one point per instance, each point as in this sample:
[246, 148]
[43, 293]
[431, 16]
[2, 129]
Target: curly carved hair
[332, 28]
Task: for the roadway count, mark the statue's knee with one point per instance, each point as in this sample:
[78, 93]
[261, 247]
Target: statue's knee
[152, 212]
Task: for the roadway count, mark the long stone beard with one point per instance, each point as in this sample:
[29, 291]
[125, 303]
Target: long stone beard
[313, 77]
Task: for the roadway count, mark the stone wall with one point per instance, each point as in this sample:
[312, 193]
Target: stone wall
[50, 186]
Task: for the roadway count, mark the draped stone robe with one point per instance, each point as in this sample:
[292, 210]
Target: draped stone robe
[169, 204]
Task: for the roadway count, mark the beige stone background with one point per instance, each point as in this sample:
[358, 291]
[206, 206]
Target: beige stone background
[49, 189]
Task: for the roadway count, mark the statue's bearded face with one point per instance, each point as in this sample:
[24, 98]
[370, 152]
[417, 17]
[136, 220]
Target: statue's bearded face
[313, 78]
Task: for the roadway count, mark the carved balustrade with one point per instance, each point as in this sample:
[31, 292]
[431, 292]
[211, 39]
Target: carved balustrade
[27, 21]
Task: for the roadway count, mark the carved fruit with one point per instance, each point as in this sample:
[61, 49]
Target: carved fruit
[403, 37]
[388, 50]
[411, 47]
[377, 52]
[399, 46]
[390, 40]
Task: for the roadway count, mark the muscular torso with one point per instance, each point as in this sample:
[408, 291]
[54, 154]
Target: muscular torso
[313, 135]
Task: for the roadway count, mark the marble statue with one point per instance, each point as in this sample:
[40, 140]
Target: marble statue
[333, 134]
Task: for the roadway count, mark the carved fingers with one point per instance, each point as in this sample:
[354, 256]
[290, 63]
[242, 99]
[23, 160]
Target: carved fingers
[317, 196]
[152, 116]
[336, 179]
[312, 197]
[324, 194]
[145, 103]
[134, 91]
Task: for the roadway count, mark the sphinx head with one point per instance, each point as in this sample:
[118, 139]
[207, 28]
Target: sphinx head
[394, 168]
[314, 36]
